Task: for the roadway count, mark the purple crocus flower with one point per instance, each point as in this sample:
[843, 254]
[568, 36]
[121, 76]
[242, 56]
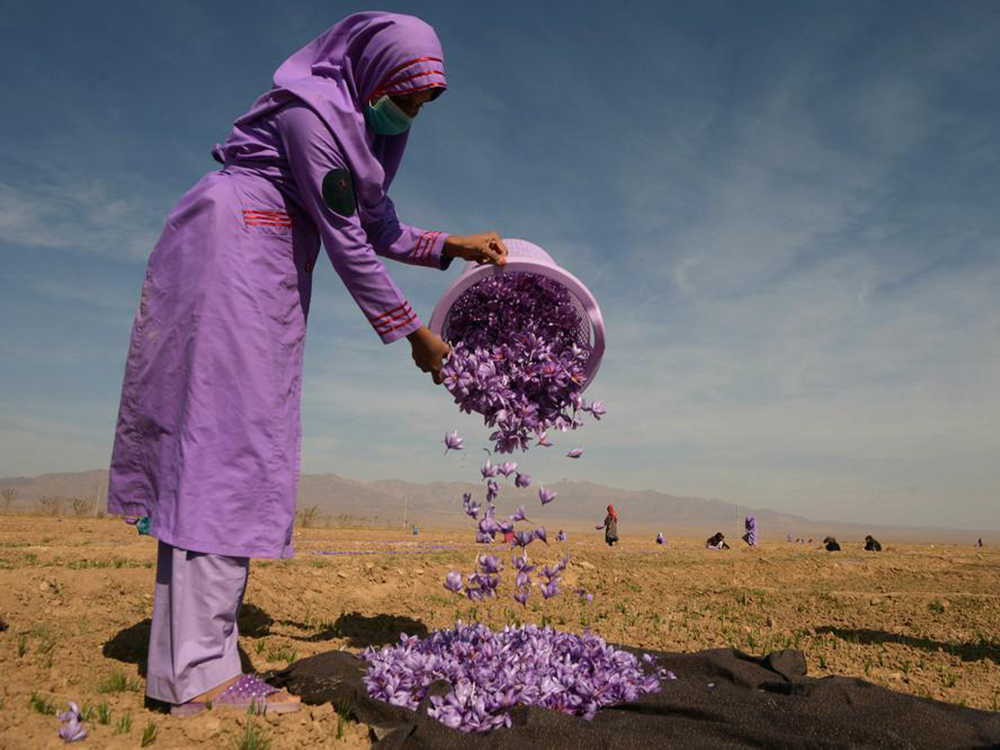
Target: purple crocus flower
[490, 564]
[522, 563]
[521, 596]
[546, 496]
[575, 453]
[584, 595]
[523, 480]
[453, 582]
[543, 440]
[518, 514]
[597, 410]
[507, 468]
[551, 588]
[524, 538]
[452, 442]
[540, 534]
[492, 490]
[491, 672]
[489, 469]
[71, 730]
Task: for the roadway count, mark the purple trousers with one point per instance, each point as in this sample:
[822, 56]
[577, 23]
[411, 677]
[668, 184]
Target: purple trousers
[192, 641]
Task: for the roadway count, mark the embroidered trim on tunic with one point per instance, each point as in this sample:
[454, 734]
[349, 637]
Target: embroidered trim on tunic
[266, 217]
[395, 318]
[421, 254]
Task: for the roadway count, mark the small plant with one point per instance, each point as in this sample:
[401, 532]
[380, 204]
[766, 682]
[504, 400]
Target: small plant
[103, 714]
[259, 646]
[936, 607]
[254, 737]
[905, 666]
[345, 713]
[44, 649]
[148, 734]
[948, 678]
[124, 725]
[822, 661]
[87, 712]
[42, 704]
[868, 666]
[118, 683]
[22, 644]
[283, 653]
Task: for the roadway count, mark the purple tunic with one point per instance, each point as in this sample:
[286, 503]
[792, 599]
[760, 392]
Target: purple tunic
[208, 437]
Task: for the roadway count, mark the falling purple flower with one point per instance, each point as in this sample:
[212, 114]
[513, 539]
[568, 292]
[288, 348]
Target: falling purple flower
[452, 442]
[489, 469]
[524, 538]
[522, 480]
[522, 563]
[492, 490]
[660, 539]
[490, 564]
[597, 410]
[518, 514]
[72, 730]
[546, 496]
[540, 534]
[453, 582]
[575, 453]
[551, 588]
[543, 440]
[507, 468]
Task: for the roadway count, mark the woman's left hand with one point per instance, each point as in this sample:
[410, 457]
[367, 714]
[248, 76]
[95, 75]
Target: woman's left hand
[481, 248]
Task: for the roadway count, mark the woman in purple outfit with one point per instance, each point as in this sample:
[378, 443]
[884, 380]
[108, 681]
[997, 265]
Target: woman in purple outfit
[208, 434]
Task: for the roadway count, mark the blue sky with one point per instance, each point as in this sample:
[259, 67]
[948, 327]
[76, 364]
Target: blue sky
[787, 211]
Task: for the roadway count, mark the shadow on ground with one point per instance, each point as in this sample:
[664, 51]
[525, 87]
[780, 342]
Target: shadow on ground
[362, 631]
[965, 651]
[131, 645]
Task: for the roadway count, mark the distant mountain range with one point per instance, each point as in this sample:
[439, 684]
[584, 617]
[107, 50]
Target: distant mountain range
[579, 507]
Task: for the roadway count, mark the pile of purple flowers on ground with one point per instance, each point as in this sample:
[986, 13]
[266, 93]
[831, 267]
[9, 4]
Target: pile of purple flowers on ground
[491, 672]
[518, 358]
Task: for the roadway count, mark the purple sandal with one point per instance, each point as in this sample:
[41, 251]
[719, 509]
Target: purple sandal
[247, 691]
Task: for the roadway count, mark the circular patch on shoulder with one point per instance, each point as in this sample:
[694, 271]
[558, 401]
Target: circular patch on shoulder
[338, 192]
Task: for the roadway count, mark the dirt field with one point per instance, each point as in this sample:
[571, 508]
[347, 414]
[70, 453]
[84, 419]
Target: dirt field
[76, 596]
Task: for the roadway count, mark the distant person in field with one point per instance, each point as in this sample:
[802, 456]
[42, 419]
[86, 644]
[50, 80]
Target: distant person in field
[979, 542]
[831, 544]
[610, 526]
[208, 437]
[872, 544]
[716, 541]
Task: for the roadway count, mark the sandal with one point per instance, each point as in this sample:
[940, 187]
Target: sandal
[247, 691]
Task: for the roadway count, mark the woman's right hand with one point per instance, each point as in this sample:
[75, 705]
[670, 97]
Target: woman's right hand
[429, 351]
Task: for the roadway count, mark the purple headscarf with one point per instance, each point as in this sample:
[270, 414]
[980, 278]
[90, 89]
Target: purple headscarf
[361, 58]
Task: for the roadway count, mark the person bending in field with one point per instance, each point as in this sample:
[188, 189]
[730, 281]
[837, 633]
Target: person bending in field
[716, 541]
[872, 544]
[831, 544]
[610, 526]
[208, 439]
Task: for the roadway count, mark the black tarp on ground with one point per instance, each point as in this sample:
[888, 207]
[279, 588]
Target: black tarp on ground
[753, 702]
